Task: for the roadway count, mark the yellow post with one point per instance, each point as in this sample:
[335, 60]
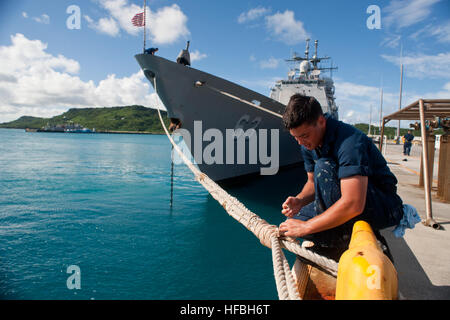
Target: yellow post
[364, 272]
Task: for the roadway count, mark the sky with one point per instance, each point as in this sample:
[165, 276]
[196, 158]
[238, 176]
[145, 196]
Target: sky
[57, 55]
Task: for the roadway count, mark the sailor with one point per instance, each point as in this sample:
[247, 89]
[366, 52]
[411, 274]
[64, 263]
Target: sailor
[348, 180]
[151, 51]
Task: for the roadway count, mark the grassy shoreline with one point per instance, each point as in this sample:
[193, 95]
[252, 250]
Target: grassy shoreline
[128, 119]
[137, 119]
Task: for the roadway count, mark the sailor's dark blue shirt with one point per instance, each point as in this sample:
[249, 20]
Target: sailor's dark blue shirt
[354, 153]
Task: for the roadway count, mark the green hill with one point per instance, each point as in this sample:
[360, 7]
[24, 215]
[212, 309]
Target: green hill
[129, 118]
[391, 132]
[135, 118]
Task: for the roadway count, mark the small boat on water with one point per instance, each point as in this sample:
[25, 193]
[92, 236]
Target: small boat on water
[67, 128]
[207, 107]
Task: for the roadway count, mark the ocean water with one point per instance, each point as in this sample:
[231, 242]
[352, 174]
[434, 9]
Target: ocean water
[101, 202]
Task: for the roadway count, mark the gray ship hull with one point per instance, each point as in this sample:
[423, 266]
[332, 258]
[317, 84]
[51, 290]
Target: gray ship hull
[175, 86]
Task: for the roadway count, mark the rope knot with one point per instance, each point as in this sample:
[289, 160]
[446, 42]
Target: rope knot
[266, 233]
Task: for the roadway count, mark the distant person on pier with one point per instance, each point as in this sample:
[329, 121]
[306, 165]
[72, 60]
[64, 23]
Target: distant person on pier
[408, 143]
[348, 180]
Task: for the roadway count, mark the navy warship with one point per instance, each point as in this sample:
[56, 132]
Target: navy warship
[198, 101]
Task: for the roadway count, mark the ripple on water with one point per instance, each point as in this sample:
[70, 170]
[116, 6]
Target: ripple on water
[101, 202]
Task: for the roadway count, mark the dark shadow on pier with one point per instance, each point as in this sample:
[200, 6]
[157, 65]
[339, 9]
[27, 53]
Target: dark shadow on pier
[414, 283]
[265, 194]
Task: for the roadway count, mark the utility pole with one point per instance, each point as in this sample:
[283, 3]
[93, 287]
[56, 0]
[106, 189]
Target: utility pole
[381, 107]
[400, 96]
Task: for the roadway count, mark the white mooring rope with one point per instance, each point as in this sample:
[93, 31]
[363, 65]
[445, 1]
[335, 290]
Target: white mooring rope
[265, 232]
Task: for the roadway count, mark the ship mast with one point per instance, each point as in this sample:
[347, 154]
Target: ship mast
[314, 60]
[145, 25]
[307, 50]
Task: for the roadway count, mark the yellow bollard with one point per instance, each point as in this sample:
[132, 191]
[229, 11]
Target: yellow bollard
[364, 272]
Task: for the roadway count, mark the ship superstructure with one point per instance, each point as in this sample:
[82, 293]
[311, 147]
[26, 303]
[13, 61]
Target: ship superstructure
[306, 77]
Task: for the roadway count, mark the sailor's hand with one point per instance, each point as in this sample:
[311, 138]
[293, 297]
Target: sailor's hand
[294, 228]
[291, 207]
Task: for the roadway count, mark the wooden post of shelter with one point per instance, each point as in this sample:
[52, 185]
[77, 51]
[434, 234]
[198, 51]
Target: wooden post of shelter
[427, 110]
[430, 140]
[444, 168]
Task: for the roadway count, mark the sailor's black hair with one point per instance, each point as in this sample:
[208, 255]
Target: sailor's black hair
[301, 109]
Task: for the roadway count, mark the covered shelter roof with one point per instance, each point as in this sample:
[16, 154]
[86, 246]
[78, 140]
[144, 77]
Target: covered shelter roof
[432, 108]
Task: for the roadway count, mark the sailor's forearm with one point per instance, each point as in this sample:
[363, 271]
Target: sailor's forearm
[307, 193]
[339, 213]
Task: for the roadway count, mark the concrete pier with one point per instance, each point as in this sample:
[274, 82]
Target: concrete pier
[422, 256]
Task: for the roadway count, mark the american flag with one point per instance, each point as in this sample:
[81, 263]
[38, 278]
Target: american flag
[138, 20]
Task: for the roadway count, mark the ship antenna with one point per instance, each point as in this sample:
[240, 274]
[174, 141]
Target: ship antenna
[315, 60]
[331, 69]
[307, 49]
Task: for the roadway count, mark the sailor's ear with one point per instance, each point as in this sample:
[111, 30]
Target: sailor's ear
[321, 120]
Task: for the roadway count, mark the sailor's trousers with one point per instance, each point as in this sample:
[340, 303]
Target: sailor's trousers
[377, 211]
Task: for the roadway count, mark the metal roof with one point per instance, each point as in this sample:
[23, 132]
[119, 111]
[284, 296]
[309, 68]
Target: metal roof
[432, 108]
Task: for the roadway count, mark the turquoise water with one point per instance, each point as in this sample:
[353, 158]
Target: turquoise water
[101, 202]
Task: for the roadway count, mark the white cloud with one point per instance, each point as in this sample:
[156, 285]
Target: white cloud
[348, 90]
[122, 12]
[108, 26]
[440, 32]
[44, 18]
[355, 101]
[252, 14]
[7, 78]
[423, 66]
[165, 25]
[36, 83]
[391, 40]
[260, 85]
[404, 13]
[197, 55]
[285, 28]
[349, 113]
[442, 93]
[446, 87]
[271, 63]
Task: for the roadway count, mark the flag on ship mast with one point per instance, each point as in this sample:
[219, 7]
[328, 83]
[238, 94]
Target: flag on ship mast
[139, 20]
